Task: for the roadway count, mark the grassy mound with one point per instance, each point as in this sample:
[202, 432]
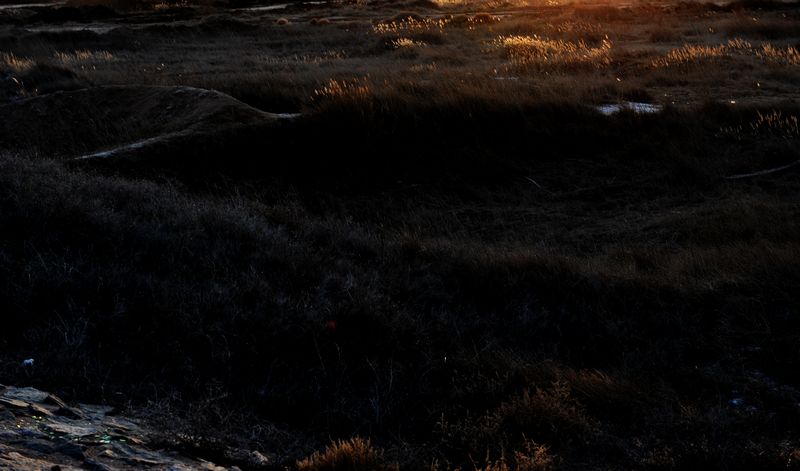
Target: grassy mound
[156, 120]
[585, 323]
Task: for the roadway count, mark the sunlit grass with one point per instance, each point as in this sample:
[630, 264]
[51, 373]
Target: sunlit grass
[162, 6]
[356, 453]
[689, 54]
[537, 52]
[780, 56]
[407, 43]
[323, 57]
[83, 58]
[15, 63]
[693, 53]
[411, 23]
[450, 3]
[774, 124]
[342, 90]
[481, 18]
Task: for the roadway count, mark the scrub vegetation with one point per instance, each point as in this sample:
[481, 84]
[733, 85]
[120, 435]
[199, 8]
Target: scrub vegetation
[382, 235]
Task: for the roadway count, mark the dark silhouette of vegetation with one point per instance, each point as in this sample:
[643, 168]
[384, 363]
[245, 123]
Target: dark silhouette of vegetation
[337, 311]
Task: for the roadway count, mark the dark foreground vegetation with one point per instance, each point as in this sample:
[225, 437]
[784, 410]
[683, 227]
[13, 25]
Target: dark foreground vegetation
[412, 274]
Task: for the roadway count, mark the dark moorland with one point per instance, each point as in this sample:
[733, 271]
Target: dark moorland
[403, 234]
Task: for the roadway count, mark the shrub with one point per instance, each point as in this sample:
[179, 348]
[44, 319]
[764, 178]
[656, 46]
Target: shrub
[546, 414]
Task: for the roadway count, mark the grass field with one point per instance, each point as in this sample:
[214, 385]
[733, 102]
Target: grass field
[369, 235]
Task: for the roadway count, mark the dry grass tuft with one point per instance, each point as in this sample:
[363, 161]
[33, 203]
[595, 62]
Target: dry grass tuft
[696, 54]
[15, 63]
[356, 454]
[532, 457]
[778, 56]
[83, 59]
[775, 123]
[357, 90]
[551, 415]
[693, 54]
[410, 23]
[770, 124]
[541, 53]
[407, 43]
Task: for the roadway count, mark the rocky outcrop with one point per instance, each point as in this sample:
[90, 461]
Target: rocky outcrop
[38, 431]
